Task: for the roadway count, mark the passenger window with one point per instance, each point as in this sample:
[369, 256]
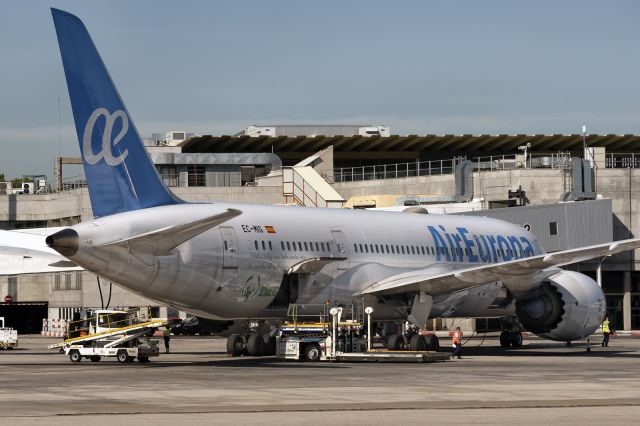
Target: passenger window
[387, 247]
[282, 245]
[288, 246]
[355, 247]
[553, 228]
[422, 250]
[305, 246]
[270, 247]
[317, 248]
[255, 243]
[226, 246]
[402, 247]
[413, 250]
[299, 246]
[377, 251]
[263, 245]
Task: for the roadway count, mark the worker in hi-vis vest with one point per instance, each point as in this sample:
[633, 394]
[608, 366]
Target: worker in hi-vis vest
[167, 337]
[606, 329]
[456, 339]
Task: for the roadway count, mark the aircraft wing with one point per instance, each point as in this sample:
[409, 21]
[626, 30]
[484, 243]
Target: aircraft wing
[438, 282]
[25, 252]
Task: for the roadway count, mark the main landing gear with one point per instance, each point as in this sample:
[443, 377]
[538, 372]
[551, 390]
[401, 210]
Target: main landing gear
[413, 342]
[511, 334]
[251, 344]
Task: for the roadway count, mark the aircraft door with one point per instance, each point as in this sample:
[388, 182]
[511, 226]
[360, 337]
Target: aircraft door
[229, 248]
[341, 248]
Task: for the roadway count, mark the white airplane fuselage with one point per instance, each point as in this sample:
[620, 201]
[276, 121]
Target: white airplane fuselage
[236, 270]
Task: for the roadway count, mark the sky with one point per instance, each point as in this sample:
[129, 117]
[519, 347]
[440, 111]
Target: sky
[419, 67]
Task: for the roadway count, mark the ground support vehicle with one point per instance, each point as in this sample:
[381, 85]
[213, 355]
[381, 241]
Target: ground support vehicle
[190, 327]
[124, 349]
[121, 334]
[322, 340]
[8, 336]
[300, 347]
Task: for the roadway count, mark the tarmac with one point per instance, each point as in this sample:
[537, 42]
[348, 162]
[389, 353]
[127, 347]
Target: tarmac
[543, 382]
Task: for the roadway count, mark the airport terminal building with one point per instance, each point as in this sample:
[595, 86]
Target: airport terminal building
[569, 190]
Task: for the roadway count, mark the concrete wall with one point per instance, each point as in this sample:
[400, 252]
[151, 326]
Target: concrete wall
[53, 207]
[543, 186]
[422, 185]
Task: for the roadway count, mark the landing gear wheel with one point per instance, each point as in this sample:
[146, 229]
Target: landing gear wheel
[123, 357]
[75, 356]
[433, 344]
[505, 341]
[516, 340]
[255, 345]
[95, 358]
[418, 343]
[143, 359]
[395, 342]
[235, 345]
[269, 344]
[312, 352]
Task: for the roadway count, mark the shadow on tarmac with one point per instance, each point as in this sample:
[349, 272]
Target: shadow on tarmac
[548, 350]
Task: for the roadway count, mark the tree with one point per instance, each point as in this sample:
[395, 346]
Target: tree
[17, 182]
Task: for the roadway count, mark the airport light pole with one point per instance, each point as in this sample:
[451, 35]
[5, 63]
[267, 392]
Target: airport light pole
[368, 310]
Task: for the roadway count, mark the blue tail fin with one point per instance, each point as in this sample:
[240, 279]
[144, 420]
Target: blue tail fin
[119, 173]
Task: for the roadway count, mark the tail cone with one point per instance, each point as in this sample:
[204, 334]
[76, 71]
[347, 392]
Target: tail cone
[64, 242]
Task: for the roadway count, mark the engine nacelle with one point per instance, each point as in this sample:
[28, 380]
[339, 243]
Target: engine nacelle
[569, 306]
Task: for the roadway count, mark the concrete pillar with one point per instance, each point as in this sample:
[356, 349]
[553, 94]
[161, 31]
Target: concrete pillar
[57, 170]
[163, 312]
[626, 301]
[599, 156]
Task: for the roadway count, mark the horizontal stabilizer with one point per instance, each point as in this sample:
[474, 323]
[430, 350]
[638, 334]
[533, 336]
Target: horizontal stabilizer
[533, 268]
[314, 264]
[161, 242]
[28, 243]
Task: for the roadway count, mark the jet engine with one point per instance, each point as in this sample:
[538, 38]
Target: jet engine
[567, 306]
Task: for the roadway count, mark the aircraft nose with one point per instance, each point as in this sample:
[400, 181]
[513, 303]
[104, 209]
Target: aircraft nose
[64, 242]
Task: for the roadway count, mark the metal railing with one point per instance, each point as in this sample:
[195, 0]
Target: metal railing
[394, 171]
[172, 180]
[73, 182]
[296, 189]
[445, 167]
[622, 160]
